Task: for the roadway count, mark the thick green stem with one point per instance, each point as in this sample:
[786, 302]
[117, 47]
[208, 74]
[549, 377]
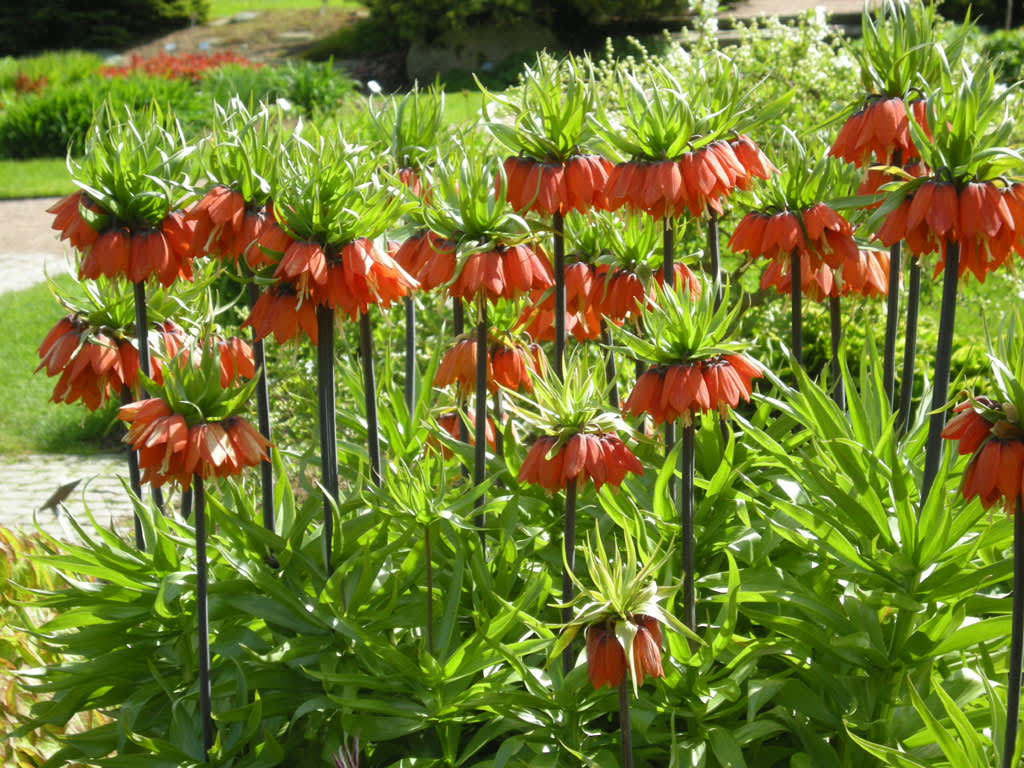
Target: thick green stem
[410, 353]
[609, 367]
[796, 307]
[836, 333]
[943, 358]
[568, 566]
[142, 339]
[714, 257]
[1016, 639]
[328, 423]
[558, 224]
[202, 618]
[685, 506]
[134, 477]
[909, 346]
[625, 729]
[892, 321]
[370, 396]
[263, 419]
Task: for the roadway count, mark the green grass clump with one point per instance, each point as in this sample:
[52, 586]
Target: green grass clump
[38, 177]
[31, 423]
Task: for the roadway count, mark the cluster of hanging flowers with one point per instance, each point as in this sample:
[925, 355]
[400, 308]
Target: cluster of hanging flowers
[510, 364]
[577, 184]
[991, 434]
[552, 462]
[606, 658]
[985, 218]
[191, 426]
[880, 130]
[694, 368]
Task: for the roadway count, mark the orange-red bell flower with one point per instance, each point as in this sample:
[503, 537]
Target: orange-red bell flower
[603, 458]
[170, 449]
[879, 130]
[502, 273]
[606, 661]
[68, 219]
[646, 648]
[682, 391]
[449, 422]
[281, 311]
[576, 185]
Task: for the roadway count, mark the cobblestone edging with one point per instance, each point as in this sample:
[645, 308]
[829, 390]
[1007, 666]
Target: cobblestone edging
[28, 482]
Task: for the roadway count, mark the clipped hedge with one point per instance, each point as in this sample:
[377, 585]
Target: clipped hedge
[56, 24]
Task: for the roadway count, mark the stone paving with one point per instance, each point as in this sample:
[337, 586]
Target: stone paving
[29, 250]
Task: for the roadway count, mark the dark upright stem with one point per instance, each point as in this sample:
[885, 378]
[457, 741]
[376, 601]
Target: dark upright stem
[558, 224]
[686, 469]
[458, 328]
[430, 591]
[943, 357]
[892, 312]
[625, 730]
[609, 367]
[909, 345]
[668, 271]
[796, 308]
[714, 256]
[187, 497]
[568, 567]
[836, 328]
[328, 422]
[134, 477]
[892, 321]
[480, 433]
[370, 396]
[142, 338]
[1016, 639]
[410, 353]
[263, 419]
[499, 418]
[202, 618]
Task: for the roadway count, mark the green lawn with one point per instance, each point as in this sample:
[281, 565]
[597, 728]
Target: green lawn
[40, 177]
[28, 421]
[220, 8]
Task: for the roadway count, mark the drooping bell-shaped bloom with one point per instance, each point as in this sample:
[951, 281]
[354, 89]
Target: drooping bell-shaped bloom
[682, 391]
[69, 221]
[602, 458]
[816, 233]
[880, 131]
[995, 442]
[575, 185]
[606, 658]
[282, 312]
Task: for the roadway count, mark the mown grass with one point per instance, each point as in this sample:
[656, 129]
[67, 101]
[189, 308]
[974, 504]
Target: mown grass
[39, 177]
[29, 423]
[221, 8]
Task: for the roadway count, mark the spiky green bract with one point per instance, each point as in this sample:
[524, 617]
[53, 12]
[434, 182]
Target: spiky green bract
[546, 118]
[971, 136]
[191, 386]
[463, 207]
[135, 167]
[1006, 357]
[656, 114]
[677, 329]
[577, 404]
[110, 304]
[971, 130]
[243, 148]
[410, 127]
[620, 588]
[804, 178]
[333, 192]
[902, 51]
[630, 240]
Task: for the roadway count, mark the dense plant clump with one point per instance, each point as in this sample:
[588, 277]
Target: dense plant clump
[58, 24]
[486, 445]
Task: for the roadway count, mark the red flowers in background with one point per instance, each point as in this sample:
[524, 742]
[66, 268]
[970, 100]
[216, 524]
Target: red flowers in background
[170, 449]
[282, 312]
[996, 444]
[606, 659]
[682, 391]
[603, 458]
[187, 66]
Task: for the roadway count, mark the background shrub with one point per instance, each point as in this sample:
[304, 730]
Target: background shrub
[53, 24]
[427, 19]
[988, 13]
